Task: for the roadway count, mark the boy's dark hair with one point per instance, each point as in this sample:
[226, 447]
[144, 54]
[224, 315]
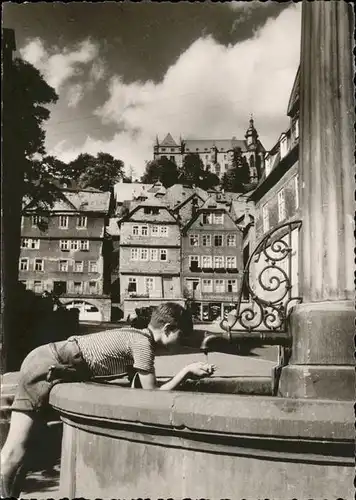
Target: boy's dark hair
[175, 315]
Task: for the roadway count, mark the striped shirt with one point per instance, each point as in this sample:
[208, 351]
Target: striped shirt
[117, 351]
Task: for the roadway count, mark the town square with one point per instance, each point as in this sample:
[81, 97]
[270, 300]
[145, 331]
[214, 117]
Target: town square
[177, 250]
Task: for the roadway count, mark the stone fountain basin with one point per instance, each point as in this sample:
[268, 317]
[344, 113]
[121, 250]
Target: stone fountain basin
[220, 437]
[124, 443]
[234, 374]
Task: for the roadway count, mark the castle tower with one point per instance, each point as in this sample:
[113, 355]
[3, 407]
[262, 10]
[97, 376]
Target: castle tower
[251, 136]
[252, 156]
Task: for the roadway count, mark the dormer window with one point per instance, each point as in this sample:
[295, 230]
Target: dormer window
[268, 163]
[218, 219]
[283, 146]
[151, 211]
[207, 218]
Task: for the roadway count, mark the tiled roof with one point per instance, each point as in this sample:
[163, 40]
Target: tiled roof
[168, 141]
[151, 202]
[81, 201]
[157, 187]
[128, 191]
[204, 145]
[177, 193]
[240, 207]
[213, 203]
[88, 201]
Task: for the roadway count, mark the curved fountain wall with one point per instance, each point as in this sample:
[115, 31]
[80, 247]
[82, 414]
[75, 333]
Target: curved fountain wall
[124, 443]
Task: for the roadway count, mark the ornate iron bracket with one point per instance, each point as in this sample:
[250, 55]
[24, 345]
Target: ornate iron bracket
[269, 285]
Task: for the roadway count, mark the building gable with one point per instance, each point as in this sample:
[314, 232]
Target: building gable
[197, 222]
[150, 212]
[191, 198]
[63, 204]
[168, 141]
[77, 201]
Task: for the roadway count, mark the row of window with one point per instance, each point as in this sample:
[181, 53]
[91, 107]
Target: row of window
[177, 150]
[64, 245]
[153, 254]
[77, 266]
[77, 287]
[143, 230]
[217, 167]
[216, 262]
[82, 222]
[63, 222]
[211, 286]
[63, 265]
[195, 261]
[67, 245]
[149, 285]
[208, 239]
[213, 218]
[281, 201]
[284, 147]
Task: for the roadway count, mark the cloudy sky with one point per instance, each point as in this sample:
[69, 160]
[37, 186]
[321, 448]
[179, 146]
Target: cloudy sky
[126, 72]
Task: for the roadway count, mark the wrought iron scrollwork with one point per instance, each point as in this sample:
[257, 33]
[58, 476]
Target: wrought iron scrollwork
[269, 280]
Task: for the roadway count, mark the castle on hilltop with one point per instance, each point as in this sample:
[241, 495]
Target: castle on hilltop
[217, 155]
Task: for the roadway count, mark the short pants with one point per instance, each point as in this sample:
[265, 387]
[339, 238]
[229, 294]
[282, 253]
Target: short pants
[33, 388]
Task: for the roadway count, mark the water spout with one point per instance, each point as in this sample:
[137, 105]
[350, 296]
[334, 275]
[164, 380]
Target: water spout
[254, 339]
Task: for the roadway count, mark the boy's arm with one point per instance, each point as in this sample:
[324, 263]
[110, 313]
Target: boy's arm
[176, 380]
[198, 370]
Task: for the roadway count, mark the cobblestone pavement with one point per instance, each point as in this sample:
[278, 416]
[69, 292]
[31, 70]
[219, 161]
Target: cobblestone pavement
[42, 484]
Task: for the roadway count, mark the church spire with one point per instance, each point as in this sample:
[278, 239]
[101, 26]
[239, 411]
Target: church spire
[251, 133]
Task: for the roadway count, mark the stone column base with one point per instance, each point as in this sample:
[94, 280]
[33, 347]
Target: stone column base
[318, 382]
[322, 360]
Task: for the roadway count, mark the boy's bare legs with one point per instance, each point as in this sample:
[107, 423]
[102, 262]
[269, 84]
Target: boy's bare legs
[14, 450]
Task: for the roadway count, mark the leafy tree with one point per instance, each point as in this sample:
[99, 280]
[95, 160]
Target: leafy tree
[100, 172]
[44, 180]
[163, 170]
[192, 171]
[237, 175]
[25, 97]
[209, 180]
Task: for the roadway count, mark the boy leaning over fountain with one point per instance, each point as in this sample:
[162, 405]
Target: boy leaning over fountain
[103, 355]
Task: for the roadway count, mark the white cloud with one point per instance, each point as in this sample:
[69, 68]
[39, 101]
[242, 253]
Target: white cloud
[59, 65]
[209, 92]
[97, 72]
[75, 94]
[121, 146]
[247, 6]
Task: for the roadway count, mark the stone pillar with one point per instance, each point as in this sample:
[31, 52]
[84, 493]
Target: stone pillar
[322, 361]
